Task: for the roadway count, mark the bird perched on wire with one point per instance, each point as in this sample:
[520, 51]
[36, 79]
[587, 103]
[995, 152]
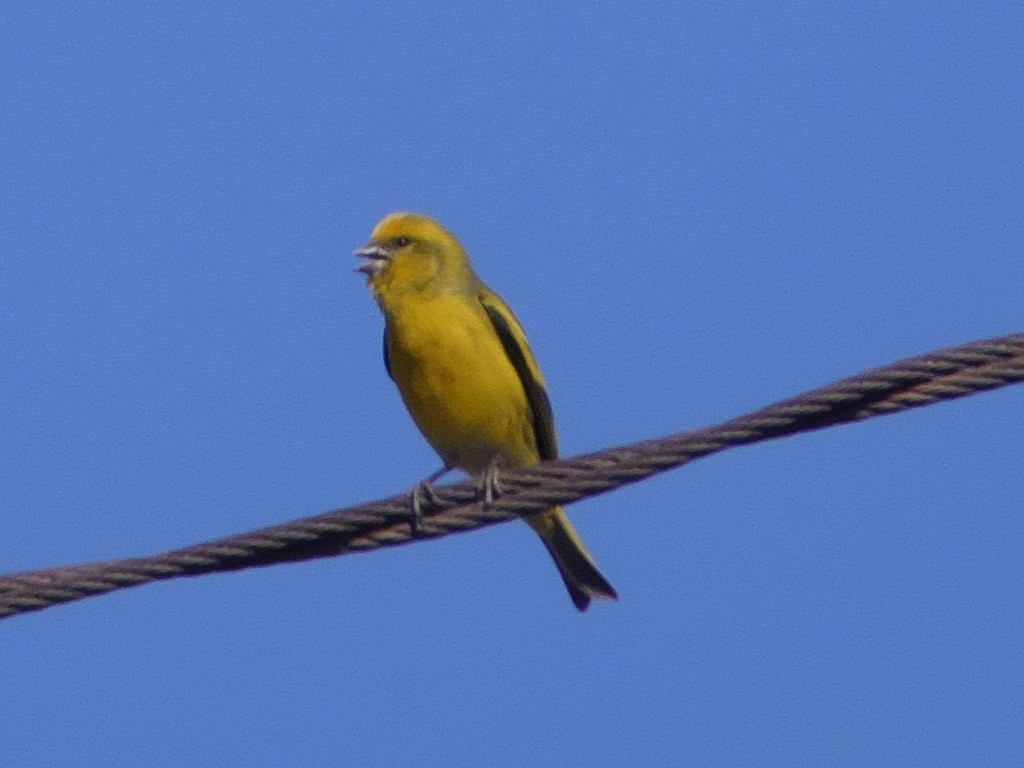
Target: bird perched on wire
[467, 376]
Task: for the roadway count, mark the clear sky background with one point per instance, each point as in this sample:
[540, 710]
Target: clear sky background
[695, 209]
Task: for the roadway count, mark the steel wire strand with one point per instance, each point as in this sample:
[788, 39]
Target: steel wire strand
[915, 382]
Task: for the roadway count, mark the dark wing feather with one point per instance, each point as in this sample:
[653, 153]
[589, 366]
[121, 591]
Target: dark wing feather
[513, 341]
[387, 358]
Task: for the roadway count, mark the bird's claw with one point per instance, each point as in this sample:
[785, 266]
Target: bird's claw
[489, 487]
[420, 496]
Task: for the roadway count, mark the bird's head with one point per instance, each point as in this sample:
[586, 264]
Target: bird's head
[409, 252]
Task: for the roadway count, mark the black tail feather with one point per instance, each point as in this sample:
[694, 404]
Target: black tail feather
[579, 573]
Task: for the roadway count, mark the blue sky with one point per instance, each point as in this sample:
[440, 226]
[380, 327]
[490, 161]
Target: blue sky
[695, 210]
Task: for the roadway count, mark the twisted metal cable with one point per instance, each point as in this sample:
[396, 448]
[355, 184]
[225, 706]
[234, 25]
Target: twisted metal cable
[943, 375]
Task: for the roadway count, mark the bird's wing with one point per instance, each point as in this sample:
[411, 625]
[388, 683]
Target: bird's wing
[387, 358]
[513, 340]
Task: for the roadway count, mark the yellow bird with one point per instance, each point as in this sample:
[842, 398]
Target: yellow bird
[464, 369]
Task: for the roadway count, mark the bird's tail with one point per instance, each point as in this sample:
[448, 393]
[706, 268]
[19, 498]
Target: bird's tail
[575, 564]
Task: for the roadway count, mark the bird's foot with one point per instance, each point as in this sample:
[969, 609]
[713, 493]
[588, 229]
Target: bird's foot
[489, 487]
[422, 497]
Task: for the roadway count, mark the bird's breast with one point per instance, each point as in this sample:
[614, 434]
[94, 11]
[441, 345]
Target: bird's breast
[458, 383]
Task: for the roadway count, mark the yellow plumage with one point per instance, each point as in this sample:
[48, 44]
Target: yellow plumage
[465, 371]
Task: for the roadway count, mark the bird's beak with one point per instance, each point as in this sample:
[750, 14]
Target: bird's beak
[376, 259]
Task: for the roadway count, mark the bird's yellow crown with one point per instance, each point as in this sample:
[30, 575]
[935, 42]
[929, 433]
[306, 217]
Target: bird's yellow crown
[414, 226]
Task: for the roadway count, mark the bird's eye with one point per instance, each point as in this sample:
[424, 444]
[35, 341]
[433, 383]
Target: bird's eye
[401, 242]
